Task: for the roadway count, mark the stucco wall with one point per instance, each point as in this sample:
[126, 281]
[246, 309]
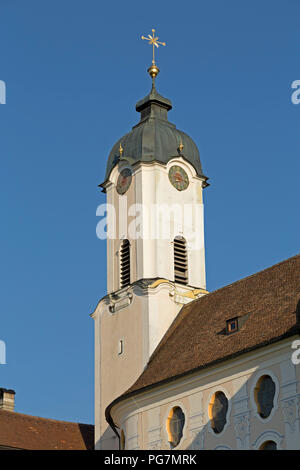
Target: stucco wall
[143, 418]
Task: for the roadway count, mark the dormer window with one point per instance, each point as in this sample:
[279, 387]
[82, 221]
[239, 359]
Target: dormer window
[232, 325]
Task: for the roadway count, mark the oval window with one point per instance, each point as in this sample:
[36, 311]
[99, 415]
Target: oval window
[217, 411]
[175, 425]
[264, 394]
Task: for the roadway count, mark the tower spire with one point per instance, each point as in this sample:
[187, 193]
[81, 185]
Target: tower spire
[153, 70]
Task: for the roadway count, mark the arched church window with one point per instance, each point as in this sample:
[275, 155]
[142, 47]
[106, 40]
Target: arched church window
[175, 425]
[180, 261]
[125, 263]
[264, 393]
[217, 411]
[268, 445]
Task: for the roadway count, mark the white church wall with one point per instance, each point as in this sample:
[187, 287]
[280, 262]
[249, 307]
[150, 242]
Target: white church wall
[237, 379]
[139, 317]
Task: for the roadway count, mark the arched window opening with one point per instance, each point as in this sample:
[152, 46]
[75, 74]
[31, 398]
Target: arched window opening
[125, 263]
[180, 261]
[175, 425]
[217, 411]
[268, 445]
[264, 393]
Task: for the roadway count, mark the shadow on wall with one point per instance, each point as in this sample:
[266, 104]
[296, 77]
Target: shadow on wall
[263, 414]
[253, 419]
[108, 440]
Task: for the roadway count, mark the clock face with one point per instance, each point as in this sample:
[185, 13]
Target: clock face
[124, 180]
[178, 178]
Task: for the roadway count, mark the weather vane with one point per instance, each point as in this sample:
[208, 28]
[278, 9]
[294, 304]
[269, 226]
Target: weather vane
[154, 42]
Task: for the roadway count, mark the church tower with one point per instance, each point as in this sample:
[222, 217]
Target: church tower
[155, 248]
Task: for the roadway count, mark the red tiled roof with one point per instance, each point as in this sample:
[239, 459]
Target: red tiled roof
[33, 433]
[265, 304]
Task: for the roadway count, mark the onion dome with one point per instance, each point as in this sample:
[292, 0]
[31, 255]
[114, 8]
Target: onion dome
[154, 138]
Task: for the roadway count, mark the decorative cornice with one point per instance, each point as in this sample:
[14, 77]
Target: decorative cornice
[123, 297]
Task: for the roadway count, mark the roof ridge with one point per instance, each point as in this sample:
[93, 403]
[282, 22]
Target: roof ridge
[253, 275]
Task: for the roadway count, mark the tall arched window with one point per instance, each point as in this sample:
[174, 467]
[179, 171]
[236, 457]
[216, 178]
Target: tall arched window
[125, 263]
[180, 261]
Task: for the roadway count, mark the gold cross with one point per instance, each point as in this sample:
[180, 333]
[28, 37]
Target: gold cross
[154, 42]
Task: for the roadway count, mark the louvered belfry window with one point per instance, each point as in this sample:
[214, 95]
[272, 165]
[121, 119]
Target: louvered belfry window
[125, 263]
[180, 261]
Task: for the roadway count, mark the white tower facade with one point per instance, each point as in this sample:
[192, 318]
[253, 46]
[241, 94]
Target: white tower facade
[155, 250]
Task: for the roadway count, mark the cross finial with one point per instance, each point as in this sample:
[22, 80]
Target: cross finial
[154, 42]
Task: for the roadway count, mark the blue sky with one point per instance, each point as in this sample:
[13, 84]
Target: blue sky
[74, 70]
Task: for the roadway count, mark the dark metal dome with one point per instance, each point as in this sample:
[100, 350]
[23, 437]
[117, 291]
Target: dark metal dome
[154, 138]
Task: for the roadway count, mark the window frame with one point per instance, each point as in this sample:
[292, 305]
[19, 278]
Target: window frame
[216, 389]
[180, 405]
[255, 380]
[210, 411]
[269, 435]
[229, 322]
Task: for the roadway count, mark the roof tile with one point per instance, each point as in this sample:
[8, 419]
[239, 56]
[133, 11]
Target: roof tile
[27, 432]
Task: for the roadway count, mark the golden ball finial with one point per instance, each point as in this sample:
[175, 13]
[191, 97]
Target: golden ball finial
[154, 42]
[153, 71]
